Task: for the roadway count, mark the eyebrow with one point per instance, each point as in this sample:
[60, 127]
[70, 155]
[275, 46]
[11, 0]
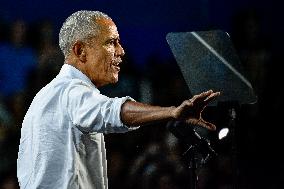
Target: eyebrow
[113, 38]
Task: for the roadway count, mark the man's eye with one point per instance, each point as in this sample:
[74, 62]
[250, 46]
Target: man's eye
[111, 42]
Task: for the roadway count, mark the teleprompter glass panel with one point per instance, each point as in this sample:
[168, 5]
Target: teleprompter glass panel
[208, 60]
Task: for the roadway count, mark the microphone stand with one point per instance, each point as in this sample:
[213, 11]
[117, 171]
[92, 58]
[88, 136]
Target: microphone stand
[197, 145]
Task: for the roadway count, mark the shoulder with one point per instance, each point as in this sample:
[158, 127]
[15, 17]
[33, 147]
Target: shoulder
[78, 86]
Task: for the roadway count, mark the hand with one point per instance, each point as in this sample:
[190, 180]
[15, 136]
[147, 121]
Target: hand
[191, 110]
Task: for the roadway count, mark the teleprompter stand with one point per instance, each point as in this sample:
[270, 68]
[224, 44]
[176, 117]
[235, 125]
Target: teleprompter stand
[208, 60]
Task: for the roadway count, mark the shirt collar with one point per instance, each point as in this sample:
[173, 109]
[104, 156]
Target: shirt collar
[70, 71]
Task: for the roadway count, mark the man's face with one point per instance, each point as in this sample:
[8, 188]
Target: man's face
[103, 54]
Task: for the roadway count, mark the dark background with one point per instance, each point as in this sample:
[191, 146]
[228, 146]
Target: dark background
[150, 157]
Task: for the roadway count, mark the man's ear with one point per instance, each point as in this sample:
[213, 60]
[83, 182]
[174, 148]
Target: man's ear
[79, 50]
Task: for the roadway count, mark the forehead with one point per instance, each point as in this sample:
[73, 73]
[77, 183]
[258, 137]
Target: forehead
[107, 28]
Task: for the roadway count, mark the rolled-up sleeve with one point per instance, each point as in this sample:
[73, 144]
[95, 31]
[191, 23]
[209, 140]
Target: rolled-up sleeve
[91, 111]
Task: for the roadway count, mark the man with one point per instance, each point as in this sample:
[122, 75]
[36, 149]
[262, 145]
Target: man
[62, 143]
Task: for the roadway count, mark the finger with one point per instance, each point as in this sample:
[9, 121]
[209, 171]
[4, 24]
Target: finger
[202, 95]
[212, 97]
[207, 125]
[201, 123]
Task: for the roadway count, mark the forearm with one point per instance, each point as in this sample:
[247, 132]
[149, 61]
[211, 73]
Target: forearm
[135, 113]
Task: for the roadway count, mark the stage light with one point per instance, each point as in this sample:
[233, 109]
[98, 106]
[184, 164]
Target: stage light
[223, 133]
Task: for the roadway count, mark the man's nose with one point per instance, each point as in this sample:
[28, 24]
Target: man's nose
[120, 51]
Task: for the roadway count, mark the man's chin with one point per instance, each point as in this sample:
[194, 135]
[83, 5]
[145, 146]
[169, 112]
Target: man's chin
[114, 79]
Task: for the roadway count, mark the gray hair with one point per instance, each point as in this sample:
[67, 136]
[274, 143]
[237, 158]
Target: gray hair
[79, 26]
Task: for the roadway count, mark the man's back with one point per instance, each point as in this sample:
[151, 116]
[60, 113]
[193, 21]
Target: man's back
[53, 152]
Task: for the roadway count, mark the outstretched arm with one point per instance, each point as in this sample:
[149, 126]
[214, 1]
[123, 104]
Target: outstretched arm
[135, 113]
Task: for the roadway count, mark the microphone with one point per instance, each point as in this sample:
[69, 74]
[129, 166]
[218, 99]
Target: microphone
[187, 134]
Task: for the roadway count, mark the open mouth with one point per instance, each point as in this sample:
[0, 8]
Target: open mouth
[116, 67]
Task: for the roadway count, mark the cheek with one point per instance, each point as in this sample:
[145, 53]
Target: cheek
[109, 56]
[109, 50]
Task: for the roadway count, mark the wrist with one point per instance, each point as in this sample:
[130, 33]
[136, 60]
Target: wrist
[172, 112]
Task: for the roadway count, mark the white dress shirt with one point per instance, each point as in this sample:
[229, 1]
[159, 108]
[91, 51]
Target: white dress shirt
[62, 145]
